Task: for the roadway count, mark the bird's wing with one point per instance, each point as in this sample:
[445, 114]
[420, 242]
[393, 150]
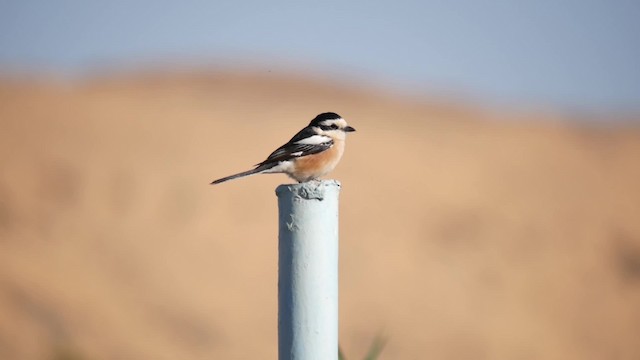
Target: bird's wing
[299, 146]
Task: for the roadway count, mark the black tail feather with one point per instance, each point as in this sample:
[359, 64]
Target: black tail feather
[257, 170]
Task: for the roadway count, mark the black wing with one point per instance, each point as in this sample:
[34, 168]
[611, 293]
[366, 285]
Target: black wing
[292, 150]
[302, 134]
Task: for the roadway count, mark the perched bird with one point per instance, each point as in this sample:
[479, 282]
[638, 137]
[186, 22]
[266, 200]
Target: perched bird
[313, 152]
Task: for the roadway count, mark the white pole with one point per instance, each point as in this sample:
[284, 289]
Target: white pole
[308, 271]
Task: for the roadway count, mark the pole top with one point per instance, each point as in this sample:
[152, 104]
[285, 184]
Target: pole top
[310, 190]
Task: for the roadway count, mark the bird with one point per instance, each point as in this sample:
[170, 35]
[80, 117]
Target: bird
[310, 154]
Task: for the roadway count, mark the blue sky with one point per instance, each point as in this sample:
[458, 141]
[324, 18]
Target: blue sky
[567, 54]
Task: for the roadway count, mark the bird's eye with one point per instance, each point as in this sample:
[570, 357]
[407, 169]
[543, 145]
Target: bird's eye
[334, 126]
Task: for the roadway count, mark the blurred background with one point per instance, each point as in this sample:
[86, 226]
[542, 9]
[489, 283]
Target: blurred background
[491, 196]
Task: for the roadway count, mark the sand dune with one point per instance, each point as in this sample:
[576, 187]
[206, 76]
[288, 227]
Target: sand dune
[465, 233]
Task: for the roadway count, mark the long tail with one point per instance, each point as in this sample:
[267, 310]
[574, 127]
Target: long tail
[257, 170]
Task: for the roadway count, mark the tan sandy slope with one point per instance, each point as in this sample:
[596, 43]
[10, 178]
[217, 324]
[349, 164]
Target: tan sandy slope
[465, 234]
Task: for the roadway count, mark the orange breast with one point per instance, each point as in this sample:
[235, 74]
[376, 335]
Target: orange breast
[317, 165]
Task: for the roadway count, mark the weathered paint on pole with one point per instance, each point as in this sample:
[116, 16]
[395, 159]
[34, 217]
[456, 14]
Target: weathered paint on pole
[308, 271]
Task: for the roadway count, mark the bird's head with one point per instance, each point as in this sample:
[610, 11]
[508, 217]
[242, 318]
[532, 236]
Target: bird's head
[330, 123]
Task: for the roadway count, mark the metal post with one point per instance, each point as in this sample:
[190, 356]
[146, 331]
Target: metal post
[308, 271]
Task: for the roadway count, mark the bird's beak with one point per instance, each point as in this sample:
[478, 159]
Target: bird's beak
[349, 129]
